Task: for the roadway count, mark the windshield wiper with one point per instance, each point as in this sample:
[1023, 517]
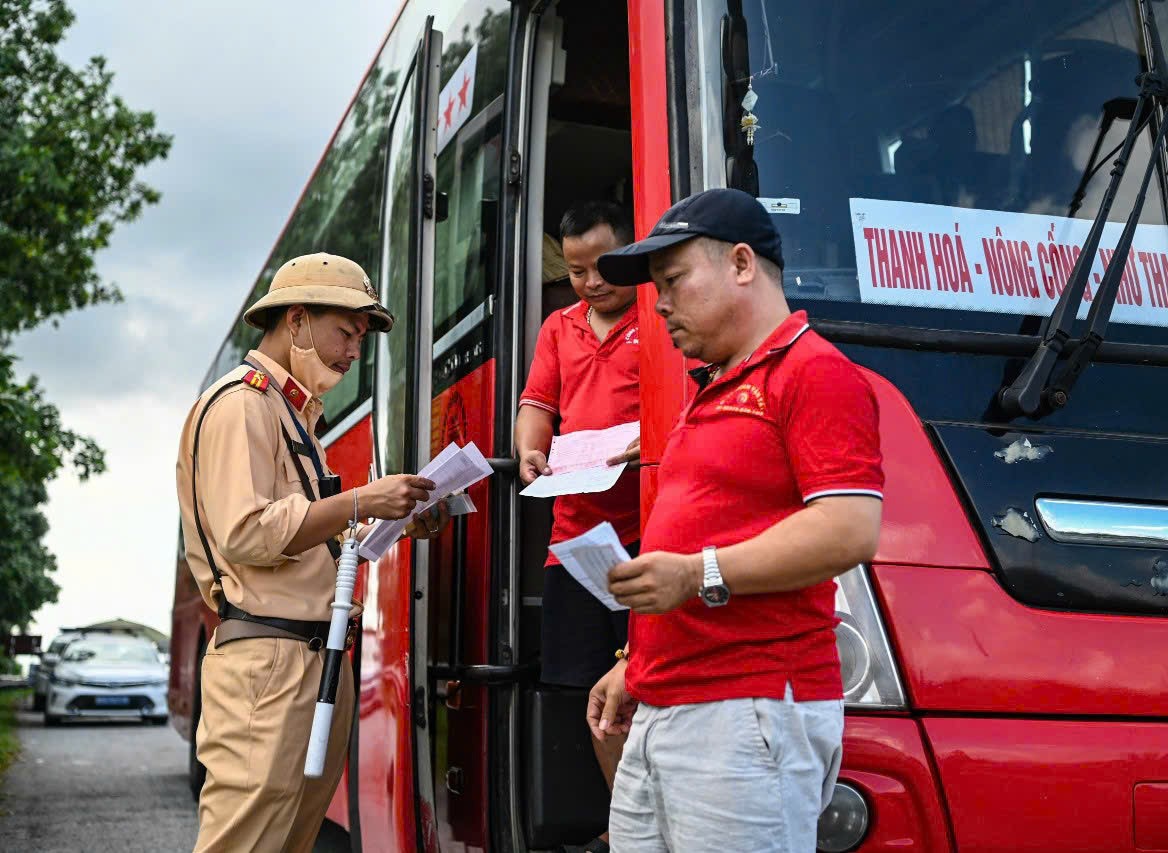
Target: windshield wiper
[1121, 108]
[1038, 390]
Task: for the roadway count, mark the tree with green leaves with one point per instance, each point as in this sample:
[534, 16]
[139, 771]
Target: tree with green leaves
[70, 154]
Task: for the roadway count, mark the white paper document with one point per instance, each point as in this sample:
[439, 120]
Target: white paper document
[455, 469]
[589, 557]
[579, 461]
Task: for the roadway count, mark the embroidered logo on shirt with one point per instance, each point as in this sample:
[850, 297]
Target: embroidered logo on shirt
[633, 335]
[746, 399]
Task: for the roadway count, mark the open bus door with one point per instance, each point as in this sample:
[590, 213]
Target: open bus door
[435, 385]
[395, 789]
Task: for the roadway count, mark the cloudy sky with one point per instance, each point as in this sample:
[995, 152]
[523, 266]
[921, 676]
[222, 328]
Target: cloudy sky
[252, 93]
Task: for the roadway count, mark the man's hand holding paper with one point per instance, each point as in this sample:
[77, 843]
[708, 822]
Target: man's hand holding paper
[656, 582]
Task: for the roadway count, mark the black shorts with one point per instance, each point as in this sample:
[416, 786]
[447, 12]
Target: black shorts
[578, 634]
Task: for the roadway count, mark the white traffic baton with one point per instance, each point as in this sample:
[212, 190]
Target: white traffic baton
[334, 656]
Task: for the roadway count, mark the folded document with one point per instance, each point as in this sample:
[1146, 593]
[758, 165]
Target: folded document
[453, 470]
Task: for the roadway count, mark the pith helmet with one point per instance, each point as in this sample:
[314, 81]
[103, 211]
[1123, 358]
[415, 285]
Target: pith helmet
[326, 280]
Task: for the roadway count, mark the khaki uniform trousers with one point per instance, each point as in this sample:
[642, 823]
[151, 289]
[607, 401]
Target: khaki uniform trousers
[259, 695]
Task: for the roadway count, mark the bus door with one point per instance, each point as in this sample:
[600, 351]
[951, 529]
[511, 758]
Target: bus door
[395, 799]
[454, 638]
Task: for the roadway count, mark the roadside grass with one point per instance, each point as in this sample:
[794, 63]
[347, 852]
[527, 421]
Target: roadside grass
[10, 700]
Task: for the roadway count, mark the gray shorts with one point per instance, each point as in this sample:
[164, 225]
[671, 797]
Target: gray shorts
[746, 775]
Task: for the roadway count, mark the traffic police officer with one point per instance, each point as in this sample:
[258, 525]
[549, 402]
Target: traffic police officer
[261, 514]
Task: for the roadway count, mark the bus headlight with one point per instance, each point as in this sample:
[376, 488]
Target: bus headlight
[844, 822]
[866, 664]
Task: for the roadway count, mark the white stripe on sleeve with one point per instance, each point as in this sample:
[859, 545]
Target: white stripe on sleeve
[828, 493]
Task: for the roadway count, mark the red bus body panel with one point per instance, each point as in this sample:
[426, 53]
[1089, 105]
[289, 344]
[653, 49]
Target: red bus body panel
[886, 759]
[191, 623]
[923, 523]
[965, 645]
[386, 784]
[1041, 785]
[662, 398]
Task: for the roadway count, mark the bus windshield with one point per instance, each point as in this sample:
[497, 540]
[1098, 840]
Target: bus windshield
[932, 164]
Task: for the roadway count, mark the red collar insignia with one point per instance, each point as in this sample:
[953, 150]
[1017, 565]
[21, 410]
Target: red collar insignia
[294, 394]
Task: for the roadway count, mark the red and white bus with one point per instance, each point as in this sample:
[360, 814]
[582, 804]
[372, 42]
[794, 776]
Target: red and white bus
[933, 170]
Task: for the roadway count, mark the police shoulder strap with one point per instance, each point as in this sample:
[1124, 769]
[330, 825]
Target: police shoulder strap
[258, 381]
[249, 380]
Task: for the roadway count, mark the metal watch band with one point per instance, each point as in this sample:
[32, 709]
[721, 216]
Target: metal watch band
[712, 574]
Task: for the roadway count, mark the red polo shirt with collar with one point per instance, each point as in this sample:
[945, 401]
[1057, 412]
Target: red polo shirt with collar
[589, 384]
[794, 422]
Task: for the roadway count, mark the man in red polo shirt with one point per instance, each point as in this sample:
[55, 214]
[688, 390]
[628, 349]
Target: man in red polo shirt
[584, 376]
[769, 487]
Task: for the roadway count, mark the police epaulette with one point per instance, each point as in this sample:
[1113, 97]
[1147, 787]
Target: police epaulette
[256, 379]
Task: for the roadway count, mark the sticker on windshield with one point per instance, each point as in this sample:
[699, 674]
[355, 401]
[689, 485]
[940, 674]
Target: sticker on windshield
[780, 205]
[932, 256]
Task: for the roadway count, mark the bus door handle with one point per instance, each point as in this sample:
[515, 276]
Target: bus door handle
[490, 675]
[487, 673]
[506, 466]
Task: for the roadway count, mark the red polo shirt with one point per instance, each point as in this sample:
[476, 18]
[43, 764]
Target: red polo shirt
[794, 422]
[589, 384]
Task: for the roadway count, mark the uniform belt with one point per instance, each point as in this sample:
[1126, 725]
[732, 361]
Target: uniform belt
[313, 633]
[236, 629]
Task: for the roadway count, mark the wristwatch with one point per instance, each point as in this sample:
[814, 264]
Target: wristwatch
[714, 591]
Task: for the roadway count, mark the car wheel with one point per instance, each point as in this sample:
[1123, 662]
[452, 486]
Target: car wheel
[196, 772]
[159, 721]
[51, 720]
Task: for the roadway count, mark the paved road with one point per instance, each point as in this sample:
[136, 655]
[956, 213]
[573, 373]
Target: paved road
[97, 787]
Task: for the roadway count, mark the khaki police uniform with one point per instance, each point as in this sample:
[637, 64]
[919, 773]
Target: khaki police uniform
[259, 683]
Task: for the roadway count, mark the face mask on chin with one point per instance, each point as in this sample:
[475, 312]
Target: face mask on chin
[309, 370]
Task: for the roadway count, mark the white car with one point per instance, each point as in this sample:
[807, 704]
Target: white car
[108, 676]
[48, 660]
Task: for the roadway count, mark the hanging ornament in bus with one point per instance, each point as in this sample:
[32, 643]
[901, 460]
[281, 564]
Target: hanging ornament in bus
[749, 119]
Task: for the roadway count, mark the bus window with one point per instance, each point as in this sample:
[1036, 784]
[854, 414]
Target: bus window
[396, 295]
[468, 175]
[874, 114]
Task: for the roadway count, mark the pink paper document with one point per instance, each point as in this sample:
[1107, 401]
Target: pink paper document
[579, 461]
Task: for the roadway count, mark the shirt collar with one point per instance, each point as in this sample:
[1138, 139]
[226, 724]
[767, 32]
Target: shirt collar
[578, 315]
[781, 339]
[295, 393]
